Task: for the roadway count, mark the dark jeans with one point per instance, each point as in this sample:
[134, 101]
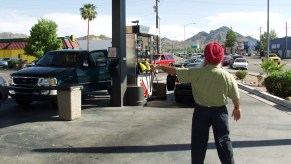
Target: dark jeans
[203, 118]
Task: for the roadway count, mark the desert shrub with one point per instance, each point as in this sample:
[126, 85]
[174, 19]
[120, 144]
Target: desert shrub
[271, 67]
[241, 74]
[279, 84]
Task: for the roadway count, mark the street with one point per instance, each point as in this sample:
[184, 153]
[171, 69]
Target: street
[158, 132]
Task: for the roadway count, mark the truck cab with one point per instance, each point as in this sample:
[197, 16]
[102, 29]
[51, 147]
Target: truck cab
[60, 67]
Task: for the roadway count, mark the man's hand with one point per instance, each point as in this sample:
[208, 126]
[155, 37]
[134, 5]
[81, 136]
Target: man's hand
[236, 114]
[154, 67]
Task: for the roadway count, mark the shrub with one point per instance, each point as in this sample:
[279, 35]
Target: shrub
[271, 67]
[241, 74]
[12, 64]
[279, 84]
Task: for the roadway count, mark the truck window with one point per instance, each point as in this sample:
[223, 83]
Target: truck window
[62, 59]
[97, 59]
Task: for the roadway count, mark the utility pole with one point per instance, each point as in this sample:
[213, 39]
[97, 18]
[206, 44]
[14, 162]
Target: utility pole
[268, 33]
[260, 46]
[286, 45]
[157, 25]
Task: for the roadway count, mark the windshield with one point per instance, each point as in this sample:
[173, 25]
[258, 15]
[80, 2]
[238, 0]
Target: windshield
[240, 60]
[59, 58]
[272, 55]
[156, 57]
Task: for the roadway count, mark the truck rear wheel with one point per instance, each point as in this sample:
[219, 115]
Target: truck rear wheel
[178, 99]
[22, 102]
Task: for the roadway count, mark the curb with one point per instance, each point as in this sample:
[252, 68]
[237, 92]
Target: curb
[265, 95]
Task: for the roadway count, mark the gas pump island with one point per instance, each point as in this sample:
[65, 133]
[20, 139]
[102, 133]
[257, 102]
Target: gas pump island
[140, 45]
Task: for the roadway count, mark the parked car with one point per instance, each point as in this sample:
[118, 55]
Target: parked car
[9, 62]
[233, 57]
[184, 63]
[32, 63]
[57, 68]
[272, 57]
[163, 59]
[4, 63]
[226, 60]
[240, 63]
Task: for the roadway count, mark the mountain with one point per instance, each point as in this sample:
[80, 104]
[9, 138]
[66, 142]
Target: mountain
[94, 37]
[202, 38]
[9, 35]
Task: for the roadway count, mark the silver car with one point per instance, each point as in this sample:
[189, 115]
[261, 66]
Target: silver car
[4, 62]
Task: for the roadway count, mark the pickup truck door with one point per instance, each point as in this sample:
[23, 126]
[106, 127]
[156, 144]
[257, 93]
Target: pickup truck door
[96, 75]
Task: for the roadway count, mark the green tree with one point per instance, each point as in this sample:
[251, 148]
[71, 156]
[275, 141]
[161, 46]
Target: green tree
[88, 13]
[264, 39]
[43, 38]
[230, 39]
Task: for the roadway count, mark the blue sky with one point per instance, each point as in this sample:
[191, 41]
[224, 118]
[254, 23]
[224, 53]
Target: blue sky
[245, 17]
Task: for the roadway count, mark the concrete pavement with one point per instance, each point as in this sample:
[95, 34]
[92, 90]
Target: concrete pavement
[157, 133]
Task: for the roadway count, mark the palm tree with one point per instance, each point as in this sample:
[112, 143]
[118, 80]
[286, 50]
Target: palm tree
[88, 12]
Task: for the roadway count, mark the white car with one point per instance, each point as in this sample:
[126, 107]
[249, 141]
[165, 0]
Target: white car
[240, 63]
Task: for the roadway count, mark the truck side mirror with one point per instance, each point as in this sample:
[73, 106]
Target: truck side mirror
[85, 63]
[113, 63]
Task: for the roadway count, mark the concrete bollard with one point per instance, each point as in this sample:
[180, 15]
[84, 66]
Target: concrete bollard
[69, 102]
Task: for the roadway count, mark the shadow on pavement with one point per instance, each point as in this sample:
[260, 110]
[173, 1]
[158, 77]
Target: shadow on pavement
[12, 114]
[159, 148]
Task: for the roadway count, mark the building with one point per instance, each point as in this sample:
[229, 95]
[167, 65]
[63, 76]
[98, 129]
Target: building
[14, 48]
[279, 45]
[95, 44]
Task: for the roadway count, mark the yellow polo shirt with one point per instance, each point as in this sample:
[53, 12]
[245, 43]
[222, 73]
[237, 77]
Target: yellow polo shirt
[211, 85]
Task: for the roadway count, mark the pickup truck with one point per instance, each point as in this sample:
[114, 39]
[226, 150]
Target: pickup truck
[60, 67]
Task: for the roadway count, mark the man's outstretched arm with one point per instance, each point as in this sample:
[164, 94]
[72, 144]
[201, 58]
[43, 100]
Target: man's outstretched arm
[167, 69]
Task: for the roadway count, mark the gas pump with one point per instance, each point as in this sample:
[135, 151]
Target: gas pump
[139, 49]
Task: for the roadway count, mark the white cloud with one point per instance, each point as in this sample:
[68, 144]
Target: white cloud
[15, 22]
[245, 23]
[248, 23]
[73, 24]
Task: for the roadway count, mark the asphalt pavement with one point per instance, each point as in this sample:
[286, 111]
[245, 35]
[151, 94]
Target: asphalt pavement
[158, 133]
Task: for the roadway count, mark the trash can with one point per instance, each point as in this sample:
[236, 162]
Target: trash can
[69, 101]
[160, 90]
[135, 96]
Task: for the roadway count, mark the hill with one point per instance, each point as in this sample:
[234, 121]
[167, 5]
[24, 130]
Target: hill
[9, 35]
[202, 38]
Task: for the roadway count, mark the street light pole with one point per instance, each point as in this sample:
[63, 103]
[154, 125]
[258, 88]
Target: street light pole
[184, 36]
[157, 26]
[268, 37]
[286, 49]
